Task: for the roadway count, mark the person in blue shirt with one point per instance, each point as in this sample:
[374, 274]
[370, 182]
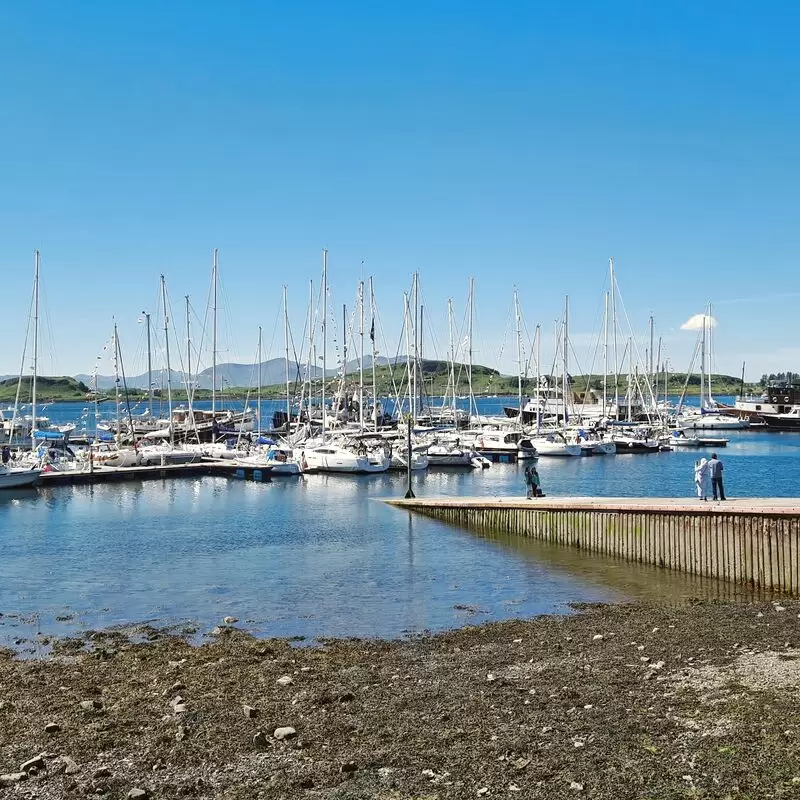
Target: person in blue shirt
[715, 467]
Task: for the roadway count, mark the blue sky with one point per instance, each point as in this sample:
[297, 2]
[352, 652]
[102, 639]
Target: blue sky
[519, 143]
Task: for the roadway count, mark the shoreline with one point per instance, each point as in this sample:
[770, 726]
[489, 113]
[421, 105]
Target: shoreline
[633, 700]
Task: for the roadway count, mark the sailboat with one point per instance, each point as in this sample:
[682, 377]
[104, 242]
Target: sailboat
[708, 417]
[554, 443]
[269, 453]
[12, 477]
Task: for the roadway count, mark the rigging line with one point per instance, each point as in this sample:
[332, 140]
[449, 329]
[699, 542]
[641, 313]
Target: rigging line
[204, 324]
[22, 366]
[391, 366]
[633, 338]
[431, 339]
[50, 339]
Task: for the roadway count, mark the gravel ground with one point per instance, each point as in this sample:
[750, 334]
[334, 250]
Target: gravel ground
[613, 702]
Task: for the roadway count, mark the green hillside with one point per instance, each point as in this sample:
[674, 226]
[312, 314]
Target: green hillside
[47, 389]
[434, 376]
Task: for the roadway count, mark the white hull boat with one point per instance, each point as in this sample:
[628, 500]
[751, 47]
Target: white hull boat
[680, 439]
[715, 422]
[279, 460]
[14, 477]
[597, 448]
[551, 446]
[399, 463]
[331, 458]
[105, 456]
[441, 455]
[161, 455]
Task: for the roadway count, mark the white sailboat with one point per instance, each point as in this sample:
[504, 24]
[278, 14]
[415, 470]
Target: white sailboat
[12, 477]
[706, 418]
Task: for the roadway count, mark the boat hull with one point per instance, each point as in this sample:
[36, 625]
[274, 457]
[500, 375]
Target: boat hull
[16, 478]
[782, 423]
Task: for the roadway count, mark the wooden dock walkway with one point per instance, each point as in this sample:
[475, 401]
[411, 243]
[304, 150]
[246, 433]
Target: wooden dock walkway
[752, 541]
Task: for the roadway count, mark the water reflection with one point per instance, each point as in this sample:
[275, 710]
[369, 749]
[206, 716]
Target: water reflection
[322, 556]
[629, 580]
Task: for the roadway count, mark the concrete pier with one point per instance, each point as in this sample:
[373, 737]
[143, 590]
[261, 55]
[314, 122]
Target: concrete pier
[756, 542]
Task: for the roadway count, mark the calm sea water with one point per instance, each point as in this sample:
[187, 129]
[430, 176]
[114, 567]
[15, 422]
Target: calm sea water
[322, 556]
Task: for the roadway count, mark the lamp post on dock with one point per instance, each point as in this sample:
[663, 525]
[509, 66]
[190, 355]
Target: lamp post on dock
[409, 492]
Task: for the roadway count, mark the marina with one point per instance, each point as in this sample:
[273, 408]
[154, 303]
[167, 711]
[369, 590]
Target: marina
[320, 554]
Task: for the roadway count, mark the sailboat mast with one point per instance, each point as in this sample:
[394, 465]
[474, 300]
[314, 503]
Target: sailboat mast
[324, 331]
[36, 263]
[116, 382]
[415, 364]
[285, 358]
[421, 384]
[258, 399]
[452, 381]
[166, 351]
[538, 336]
[312, 350]
[709, 365]
[630, 377]
[407, 327]
[655, 374]
[372, 340]
[519, 354]
[605, 355]
[703, 363]
[565, 379]
[188, 354]
[149, 366]
[650, 364]
[213, 336]
[361, 355]
[613, 282]
[342, 391]
[469, 334]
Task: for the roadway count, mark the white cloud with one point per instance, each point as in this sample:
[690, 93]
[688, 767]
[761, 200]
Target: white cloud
[695, 323]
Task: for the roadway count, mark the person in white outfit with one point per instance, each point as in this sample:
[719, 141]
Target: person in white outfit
[702, 479]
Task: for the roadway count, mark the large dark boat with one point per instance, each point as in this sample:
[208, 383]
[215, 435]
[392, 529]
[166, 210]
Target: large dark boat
[778, 398]
[789, 421]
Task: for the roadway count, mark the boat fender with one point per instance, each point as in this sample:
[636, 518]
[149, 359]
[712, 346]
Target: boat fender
[786, 399]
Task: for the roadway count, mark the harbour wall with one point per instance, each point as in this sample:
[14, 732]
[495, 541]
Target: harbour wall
[754, 542]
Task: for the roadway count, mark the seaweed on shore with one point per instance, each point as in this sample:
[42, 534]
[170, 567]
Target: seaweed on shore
[613, 702]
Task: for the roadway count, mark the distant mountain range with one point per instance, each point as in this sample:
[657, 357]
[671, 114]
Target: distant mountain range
[244, 375]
